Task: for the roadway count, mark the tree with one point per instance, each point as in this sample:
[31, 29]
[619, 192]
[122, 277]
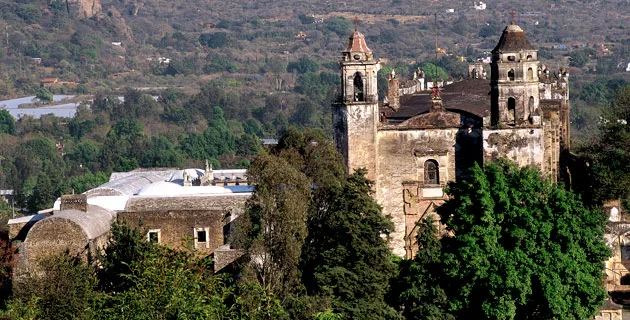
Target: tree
[346, 256]
[273, 229]
[610, 153]
[44, 95]
[65, 291]
[44, 194]
[433, 72]
[416, 288]
[523, 248]
[579, 58]
[214, 40]
[303, 65]
[7, 123]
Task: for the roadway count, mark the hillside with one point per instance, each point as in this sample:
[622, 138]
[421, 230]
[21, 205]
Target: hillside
[106, 44]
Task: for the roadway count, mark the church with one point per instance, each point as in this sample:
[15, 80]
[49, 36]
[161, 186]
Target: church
[415, 141]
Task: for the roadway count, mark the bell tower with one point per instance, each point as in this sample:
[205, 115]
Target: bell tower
[514, 82]
[355, 115]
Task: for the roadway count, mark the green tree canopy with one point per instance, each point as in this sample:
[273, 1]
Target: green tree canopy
[523, 248]
[44, 95]
[7, 123]
[347, 258]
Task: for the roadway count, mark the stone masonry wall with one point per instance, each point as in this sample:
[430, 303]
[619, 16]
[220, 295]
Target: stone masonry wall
[361, 137]
[178, 227]
[401, 157]
[49, 237]
[525, 146]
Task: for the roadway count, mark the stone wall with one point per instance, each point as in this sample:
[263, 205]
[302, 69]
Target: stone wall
[525, 146]
[178, 228]
[552, 127]
[48, 237]
[178, 218]
[401, 158]
[361, 136]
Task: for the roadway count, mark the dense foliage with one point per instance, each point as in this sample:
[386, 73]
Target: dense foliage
[518, 247]
[315, 244]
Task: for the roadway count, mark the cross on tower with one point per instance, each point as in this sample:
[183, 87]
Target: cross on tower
[356, 24]
[512, 13]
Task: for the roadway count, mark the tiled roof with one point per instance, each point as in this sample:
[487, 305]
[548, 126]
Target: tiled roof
[513, 39]
[357, 43]
[471, 96]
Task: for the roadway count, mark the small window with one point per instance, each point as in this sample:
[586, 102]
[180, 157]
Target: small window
[511, 75]
[511, 58]
[202, 236]
[529, 57]
[431, 172]
[154, 236]
[530, 74]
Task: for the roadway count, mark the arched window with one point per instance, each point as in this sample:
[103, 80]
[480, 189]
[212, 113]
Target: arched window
[511, 75]
[530, 74]
[529, 57]
[431, 172]
[531, 106]
[474, 73]
[358, 87]
[511, 106]
[511, 58]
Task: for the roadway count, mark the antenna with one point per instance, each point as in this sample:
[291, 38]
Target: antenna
[436, 51]
[436, 37]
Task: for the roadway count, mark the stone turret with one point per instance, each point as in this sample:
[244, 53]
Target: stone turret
[356, 112]
[514, 84]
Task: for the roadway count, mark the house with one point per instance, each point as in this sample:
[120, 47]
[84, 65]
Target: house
[188, 209]
[49, 82]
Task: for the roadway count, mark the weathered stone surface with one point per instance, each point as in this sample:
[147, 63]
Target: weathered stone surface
[521, 114]
[84, 9]
[178, 218]
[77, 233]
[523, 146]
[401, 159]
[116, 20]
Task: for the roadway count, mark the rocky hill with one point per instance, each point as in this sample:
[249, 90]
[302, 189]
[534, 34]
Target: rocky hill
[110, 44]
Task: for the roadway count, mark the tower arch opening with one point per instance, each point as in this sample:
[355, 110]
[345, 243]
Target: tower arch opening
[358, 87]
[511, 75]
[511, 108]
[530, 74]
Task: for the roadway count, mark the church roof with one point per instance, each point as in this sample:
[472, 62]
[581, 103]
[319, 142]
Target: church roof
[471, 96]
[357, 43]
[513, 39]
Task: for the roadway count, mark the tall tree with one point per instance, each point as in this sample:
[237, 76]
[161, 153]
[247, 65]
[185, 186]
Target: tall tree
[610, 154]
[273, 228]
[416, 290]
[346, 257]
[523, 248]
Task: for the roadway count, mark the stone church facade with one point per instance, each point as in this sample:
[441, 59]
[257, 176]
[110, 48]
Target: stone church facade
[416, 141]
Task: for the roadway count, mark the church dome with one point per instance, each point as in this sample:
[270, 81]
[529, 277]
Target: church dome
[513, 39]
